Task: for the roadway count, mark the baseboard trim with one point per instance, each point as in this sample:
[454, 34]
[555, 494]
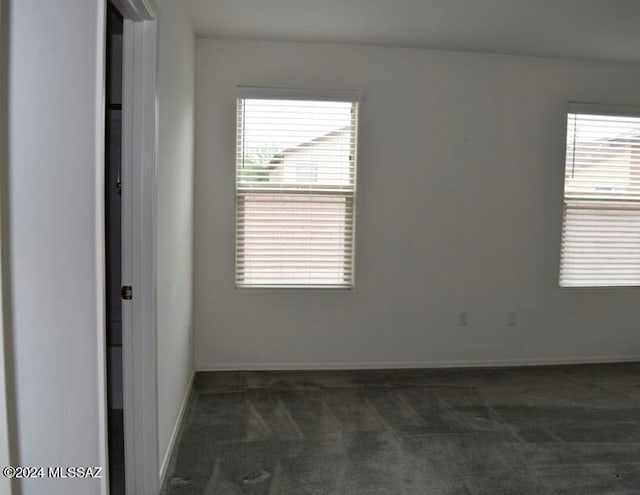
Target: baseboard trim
[176, 428]
[496, 363]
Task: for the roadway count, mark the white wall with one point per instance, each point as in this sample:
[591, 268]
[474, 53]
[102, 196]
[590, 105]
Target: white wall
[5, 486]
[176, 57]
[4, 403]
[459, 208]
[56, 247]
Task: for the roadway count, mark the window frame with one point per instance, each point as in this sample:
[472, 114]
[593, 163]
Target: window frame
[602, 109]
[281, 93]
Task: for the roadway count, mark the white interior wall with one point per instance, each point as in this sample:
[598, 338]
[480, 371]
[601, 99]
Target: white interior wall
[4, 426]
[55, 167]
[176, 58]
[5, 486]
[459, 208]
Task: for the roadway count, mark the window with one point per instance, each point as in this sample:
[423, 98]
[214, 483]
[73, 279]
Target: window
[307, 172]
[295, 188]
[601, 226]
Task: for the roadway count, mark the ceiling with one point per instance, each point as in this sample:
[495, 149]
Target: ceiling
[586, 29]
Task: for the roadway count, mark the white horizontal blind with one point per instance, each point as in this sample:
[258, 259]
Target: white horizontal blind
[601, 227]
[295, 192]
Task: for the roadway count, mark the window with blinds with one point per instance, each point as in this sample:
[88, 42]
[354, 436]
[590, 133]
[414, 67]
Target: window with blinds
[295, 188]
[601, 226]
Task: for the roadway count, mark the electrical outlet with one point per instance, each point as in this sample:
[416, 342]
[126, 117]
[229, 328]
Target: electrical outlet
[463, 318]
[512, 318]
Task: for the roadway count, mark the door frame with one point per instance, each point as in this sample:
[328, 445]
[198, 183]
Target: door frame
[139, 337]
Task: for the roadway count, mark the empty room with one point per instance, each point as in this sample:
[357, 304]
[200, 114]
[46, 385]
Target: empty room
[362, 247]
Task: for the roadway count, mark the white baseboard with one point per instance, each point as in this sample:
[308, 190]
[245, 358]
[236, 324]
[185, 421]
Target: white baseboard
[176, 428]
[414, 364]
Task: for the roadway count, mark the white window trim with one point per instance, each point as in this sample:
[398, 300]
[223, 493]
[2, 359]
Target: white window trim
[282, 93]
[603, 109]
[578, 107]
[258, 92]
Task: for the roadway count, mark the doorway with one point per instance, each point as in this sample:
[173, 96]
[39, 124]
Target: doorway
[129, 216]
[113, 249]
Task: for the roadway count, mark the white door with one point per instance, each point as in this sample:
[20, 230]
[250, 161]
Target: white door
[138, 247]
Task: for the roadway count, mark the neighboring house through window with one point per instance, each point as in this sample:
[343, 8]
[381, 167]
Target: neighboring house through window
[295, 188]
[307, 172]
[601, 226]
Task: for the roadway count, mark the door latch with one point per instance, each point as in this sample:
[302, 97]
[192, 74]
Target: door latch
[127, 292]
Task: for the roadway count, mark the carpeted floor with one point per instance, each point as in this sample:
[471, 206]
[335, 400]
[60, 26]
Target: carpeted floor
[548, 430]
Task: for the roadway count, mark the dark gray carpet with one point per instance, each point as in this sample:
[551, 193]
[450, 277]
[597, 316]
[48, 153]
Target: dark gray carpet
[547, 430]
